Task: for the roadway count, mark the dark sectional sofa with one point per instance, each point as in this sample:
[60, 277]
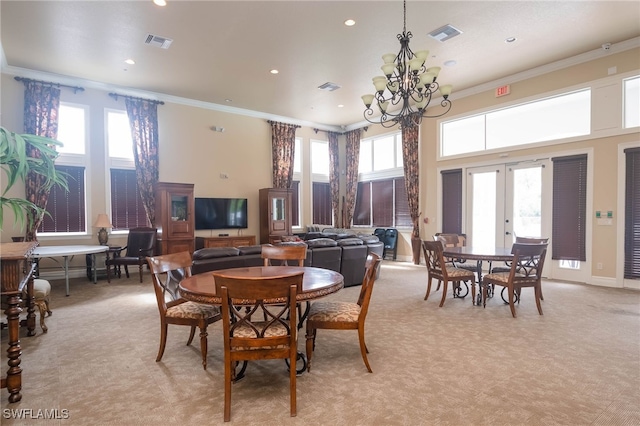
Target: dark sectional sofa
[346, 255]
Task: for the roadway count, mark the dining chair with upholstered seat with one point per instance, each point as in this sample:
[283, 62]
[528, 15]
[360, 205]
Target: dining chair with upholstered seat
[289, 255]
[167, 271]
[438, 269]
[247, 340]
[507, 264]
[286, 255]
[526, 271]
[336, 315]
[455, 240]
[141, 243]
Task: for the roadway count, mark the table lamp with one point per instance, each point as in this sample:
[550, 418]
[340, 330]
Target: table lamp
[103, 223]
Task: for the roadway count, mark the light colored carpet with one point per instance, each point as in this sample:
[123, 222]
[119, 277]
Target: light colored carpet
[579, 364]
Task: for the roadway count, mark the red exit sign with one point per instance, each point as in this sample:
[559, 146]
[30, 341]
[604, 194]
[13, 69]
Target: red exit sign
[503, 90]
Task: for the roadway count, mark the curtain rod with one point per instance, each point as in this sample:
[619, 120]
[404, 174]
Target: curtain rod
[339, 133]
[74, 88]
[115, 96]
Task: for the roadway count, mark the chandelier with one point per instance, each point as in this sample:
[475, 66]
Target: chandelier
[407, 86]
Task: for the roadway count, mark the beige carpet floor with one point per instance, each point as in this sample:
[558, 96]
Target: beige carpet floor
[579, 364]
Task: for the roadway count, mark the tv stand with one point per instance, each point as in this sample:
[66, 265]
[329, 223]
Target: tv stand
[237, 241]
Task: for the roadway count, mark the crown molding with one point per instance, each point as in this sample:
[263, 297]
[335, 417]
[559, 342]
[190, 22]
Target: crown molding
[534, 72]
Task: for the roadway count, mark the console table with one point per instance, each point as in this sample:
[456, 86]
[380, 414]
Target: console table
[236, 241]
[16, 274]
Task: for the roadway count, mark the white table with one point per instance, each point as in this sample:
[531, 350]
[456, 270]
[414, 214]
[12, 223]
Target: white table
[69, 251]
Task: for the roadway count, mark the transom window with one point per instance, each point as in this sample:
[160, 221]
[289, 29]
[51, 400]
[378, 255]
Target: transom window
[632, 102]
[557, 117]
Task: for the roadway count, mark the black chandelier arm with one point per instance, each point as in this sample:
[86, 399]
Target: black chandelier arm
[446, 104]
[408, 87]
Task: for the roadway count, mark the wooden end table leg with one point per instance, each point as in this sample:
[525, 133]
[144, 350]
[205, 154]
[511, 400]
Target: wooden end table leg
[14, 374]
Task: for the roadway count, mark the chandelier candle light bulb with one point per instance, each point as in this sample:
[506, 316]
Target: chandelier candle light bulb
[408, 85]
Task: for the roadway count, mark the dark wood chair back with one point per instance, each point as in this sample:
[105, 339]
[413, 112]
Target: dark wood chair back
[167, 272]
[290, 255]
[525, 271]
[437, 269]
[247, 338]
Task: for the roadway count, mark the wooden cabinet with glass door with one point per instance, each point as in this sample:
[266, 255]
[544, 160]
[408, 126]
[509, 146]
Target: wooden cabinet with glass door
[175, 217]
[275, 214]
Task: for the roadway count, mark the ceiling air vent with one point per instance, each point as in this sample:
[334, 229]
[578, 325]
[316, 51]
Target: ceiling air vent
[157, 41]
[445, 33]
[329, 87]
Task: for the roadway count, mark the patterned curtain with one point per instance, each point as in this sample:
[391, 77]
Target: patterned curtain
[412, 173]
[353, 158]
[283, 142]
[41, 105]
[334, 176]
[143, 119]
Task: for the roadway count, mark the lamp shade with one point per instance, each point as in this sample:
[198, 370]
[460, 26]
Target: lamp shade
[103, 221]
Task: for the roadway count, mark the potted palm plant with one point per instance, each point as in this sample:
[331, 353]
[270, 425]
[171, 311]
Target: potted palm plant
[16, 164]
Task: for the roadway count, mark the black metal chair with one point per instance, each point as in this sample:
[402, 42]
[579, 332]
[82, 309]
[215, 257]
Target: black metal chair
[141, 243]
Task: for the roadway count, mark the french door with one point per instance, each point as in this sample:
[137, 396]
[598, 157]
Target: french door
[505, 200]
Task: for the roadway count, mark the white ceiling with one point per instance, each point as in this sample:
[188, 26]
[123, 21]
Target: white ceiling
[225, 49]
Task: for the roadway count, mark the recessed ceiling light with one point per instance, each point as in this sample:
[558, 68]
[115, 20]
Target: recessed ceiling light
[349, 22]
[160, 2]
[129, 61]
[274, 71]
[227, 100]
[510, 40]
[450, 63]
[340, 106]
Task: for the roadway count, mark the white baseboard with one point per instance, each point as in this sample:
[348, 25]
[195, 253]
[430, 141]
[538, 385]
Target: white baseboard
[604, 282]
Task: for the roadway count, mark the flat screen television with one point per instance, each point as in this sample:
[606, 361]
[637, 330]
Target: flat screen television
[221, 213]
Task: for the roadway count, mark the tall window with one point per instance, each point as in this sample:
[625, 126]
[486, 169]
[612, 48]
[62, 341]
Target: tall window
[67, 209]
[127, 210]
[452, 201]
[632, 214]
[382, 197]
[569, 208]
[321, 192]
[295, 185]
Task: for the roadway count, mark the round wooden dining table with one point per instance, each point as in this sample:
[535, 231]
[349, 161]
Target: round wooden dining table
[479, 254]
[316, 282]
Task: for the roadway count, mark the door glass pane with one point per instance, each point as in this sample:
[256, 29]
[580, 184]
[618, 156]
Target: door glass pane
[484, 209]
[527, 202]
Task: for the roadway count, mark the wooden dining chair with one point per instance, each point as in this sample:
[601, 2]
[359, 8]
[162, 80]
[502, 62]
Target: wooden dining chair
[507, 264]
[249, 340]
[167, 271]
[438, 269]
[289, 255]
[526, 271]
[286, 255]
[344, 315]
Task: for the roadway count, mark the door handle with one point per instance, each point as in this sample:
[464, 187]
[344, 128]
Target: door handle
[507, 233]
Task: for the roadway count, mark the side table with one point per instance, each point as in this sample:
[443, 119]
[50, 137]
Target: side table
[112, 252]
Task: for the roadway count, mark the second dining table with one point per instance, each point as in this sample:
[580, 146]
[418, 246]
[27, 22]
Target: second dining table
[316, 283]
[479, 254]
